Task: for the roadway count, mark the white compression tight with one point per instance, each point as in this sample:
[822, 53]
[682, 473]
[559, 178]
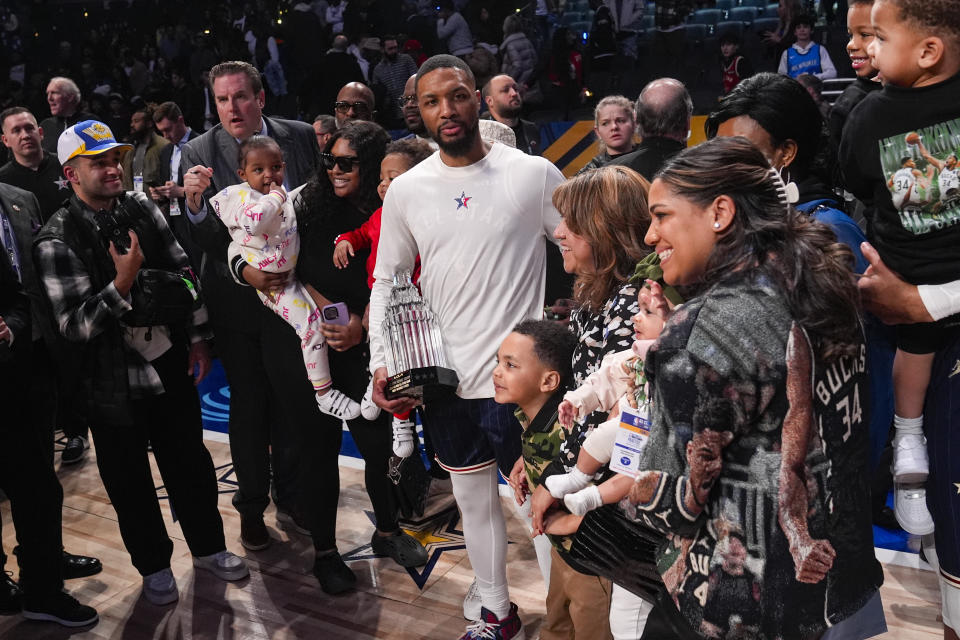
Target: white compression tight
[485, 534]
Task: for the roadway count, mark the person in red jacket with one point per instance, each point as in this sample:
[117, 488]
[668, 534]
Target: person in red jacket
[401, 156]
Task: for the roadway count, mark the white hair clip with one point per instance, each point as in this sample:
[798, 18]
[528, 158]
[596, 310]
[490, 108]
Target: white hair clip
[788, 191]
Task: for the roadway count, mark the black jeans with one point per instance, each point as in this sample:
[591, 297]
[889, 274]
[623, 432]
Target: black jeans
[270, 396]
[28, 479]
[320, 479]
[171, 422]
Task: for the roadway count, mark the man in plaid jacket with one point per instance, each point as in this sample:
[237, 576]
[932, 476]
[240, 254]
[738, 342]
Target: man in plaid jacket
[135, 378]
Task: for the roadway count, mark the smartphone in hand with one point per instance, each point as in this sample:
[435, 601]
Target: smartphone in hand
[336, 313]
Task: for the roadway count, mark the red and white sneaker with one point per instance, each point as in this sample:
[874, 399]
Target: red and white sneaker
[492, 628]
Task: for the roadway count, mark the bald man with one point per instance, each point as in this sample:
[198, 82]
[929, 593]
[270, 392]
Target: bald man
[355, 101]
[664, 109]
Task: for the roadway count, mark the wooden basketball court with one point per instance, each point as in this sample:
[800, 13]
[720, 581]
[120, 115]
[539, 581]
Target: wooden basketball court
[281, 599]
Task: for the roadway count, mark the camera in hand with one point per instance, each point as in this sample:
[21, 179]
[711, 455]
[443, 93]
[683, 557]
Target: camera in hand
[114, 227]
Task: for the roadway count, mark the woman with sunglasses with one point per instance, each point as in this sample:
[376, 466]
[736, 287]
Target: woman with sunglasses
[340, 197]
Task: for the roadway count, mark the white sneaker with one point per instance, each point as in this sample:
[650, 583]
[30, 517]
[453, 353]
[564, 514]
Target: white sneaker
[160, 588]
[563, 483]
[335, 403]
[583, 501]
[910, 462]
[404, 437]
[472, 603]
[224, 565]
[368, 408]
[910, 507]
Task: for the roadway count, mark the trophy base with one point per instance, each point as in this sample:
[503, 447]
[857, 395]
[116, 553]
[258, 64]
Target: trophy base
[424, 383]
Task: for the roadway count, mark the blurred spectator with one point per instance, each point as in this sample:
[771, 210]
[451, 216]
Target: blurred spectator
[336, 69]
[503, 99]
[137, 73]
[814, 87]
[63, 96]
[485, 30]
[324, 125]
[141, 167]
[519, 57]
[733, 66]
[453, 30]
[355, 101]
[335, 15]
[565, 70]
[391, 73]
[169, 121]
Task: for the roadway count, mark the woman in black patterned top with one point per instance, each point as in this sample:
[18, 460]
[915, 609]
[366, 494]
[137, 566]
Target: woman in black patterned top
[605, 217]
[756, 468]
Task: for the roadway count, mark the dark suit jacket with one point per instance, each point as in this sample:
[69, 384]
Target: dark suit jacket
[180, 225]
[218, 149]
[15, 311]
[24, 212]
[650, 155]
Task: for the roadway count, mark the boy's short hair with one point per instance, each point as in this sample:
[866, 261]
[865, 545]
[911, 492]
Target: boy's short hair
[553, 344]
[937, 17]
[804, 19]
[729, 37]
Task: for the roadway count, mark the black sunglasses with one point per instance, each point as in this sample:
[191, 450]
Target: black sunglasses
[359, 107]
[403, 100]
[346, 163]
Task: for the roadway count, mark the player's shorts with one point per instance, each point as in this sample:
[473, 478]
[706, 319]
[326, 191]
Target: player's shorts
[941, 423]
[472, 434]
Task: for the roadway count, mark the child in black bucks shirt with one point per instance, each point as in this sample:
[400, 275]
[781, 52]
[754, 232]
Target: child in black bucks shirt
[899, 155]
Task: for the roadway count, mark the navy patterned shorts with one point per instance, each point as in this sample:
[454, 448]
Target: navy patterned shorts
[941, 422]
[470, 434]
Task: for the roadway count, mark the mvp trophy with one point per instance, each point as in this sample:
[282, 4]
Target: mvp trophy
[416, 365]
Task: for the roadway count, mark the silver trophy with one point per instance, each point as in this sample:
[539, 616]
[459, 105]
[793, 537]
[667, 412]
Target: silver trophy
[416, 364]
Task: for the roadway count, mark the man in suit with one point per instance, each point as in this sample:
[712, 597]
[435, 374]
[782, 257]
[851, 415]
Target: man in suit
[169, 121]
[503, 99]
[37, 171]
[270, 400]
[28, 439]
[664, 109]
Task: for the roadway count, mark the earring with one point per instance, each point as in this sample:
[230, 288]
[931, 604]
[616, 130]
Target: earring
[716, 225]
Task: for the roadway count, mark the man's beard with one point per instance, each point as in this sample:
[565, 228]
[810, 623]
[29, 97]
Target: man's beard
[419, 129]
[509, 112]
[392, 57]
[462, 145]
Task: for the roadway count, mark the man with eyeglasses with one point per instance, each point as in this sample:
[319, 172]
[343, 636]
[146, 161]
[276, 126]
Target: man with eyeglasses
[411, 113]
[391, 73]
[355, 101]
[269, 399]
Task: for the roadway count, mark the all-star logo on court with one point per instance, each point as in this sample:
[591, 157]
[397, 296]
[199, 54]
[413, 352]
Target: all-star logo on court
[462, 200]
[437, 532]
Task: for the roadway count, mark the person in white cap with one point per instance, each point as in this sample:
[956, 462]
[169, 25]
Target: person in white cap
[90, 257]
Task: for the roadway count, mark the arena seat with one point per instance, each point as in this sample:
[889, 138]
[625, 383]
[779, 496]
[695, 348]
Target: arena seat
[730, 26]
[745, 15]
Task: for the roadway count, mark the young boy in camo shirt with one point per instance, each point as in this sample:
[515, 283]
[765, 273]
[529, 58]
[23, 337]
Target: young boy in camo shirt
[534, 366]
